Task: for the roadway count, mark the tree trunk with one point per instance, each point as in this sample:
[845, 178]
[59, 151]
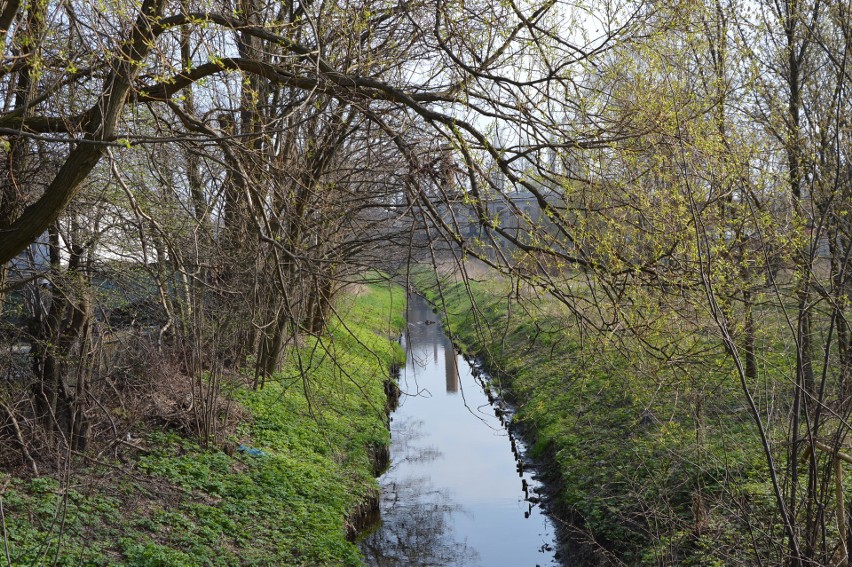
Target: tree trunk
[60, 349]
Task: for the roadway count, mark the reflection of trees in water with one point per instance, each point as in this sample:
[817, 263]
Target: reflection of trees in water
[405, 449]
[416, 528]
[425, 335]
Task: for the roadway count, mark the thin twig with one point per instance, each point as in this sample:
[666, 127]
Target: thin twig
[20, 437]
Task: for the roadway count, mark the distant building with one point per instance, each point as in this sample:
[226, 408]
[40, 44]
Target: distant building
[33, 261]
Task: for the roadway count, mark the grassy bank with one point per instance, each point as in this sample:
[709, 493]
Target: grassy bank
[302, 470]
[651, 463]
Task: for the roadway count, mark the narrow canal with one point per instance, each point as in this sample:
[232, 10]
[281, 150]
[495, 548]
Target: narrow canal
[454, 494]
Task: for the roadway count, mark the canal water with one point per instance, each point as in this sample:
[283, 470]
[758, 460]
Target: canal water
[455, 494]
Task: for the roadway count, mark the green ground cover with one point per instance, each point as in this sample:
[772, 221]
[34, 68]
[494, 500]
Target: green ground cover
[286, 501]
[652, 463]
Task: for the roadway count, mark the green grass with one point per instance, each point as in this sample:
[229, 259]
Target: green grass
[179, 504]
[642, 477]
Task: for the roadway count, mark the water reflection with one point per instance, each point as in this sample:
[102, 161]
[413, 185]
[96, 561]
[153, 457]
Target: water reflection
[417, 517]
[451, 367]
[425, 337]
[417, 530]
[454, 494]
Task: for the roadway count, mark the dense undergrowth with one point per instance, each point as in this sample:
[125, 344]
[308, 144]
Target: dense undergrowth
[651, 464]
[304, 464]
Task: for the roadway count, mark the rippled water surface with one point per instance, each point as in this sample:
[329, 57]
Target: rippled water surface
[453, 495]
